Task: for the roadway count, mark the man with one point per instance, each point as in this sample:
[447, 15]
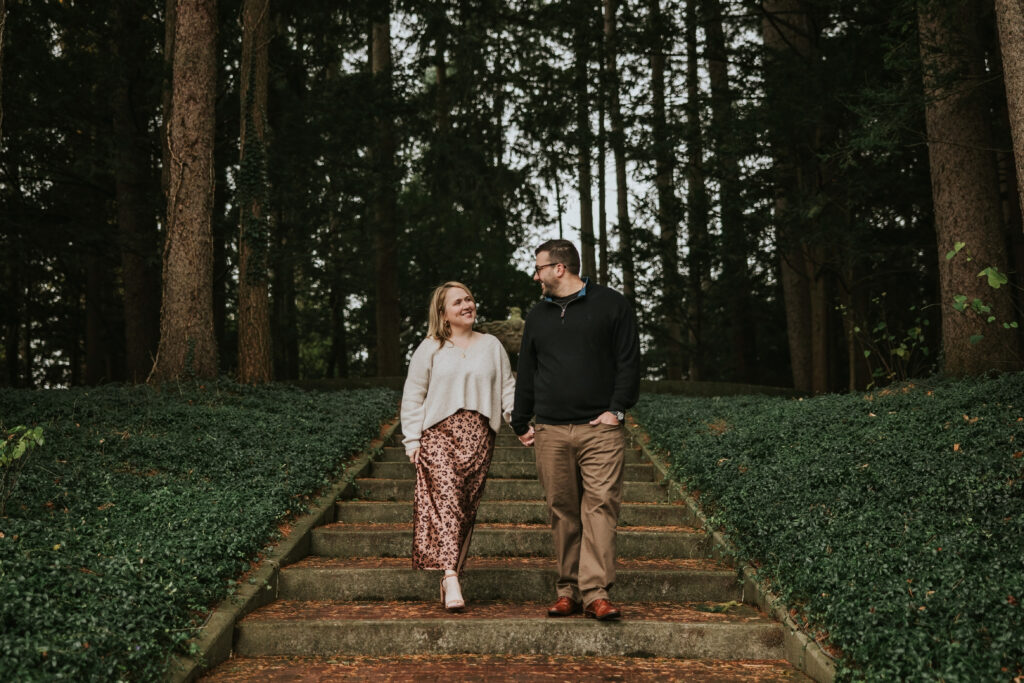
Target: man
[579, 371]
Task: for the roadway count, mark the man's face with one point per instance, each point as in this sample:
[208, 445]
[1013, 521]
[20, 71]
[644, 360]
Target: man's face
[547, 273]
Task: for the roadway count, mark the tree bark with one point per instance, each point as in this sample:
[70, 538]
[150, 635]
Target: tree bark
[787, 34]
[167, 95]
[12, 319]
[735, 245]
[669, 210]
[284, 315]
[1010, 18]
[821, 337]
[584, 152]
[187, 346]
[97, 366]
[697, 202]
[255, 362]
[3, 26]
[135, 219]
[602, 185]
[385, 246]
[965, 190]
[618, 139]
[337, 362]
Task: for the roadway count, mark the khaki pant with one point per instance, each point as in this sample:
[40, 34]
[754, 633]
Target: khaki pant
[580, 468]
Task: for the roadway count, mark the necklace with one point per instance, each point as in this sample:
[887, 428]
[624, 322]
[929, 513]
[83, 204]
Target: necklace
[462, 351]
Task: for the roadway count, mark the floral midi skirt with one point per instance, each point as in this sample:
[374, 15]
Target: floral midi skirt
[454, 457]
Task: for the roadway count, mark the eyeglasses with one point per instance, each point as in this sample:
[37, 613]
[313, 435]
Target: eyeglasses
[536, 271]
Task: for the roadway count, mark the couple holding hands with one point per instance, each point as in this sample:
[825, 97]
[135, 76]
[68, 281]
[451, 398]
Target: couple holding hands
[578, 372]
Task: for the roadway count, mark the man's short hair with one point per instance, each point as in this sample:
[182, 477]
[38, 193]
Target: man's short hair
[562, 251]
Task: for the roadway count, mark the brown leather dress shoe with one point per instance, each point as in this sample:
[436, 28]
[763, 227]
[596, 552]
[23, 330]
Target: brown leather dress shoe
[602, 610]
[563, 607]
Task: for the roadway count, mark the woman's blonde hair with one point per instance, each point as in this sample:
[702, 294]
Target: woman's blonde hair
[439, 328]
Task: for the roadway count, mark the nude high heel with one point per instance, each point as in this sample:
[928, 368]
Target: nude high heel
[454, 604]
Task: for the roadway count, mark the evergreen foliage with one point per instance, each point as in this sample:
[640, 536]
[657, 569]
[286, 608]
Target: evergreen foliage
[892, 521]
[143, 507]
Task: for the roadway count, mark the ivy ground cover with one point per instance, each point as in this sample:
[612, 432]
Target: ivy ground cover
[892, 521]
[144, 506]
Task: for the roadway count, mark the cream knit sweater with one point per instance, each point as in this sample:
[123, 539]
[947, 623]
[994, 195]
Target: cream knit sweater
[443, 380]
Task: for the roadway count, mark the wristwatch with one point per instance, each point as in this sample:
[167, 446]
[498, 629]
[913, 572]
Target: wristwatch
[619, 415]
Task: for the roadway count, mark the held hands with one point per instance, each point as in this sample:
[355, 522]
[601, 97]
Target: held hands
[414, 456]
[527, 438]
[605, 418]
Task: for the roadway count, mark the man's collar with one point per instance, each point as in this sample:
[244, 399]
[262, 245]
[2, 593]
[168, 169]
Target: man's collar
[579, 294]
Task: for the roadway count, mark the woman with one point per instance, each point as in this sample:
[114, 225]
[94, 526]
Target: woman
[459, 386]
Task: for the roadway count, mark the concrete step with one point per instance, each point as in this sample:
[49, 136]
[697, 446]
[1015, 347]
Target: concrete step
[511, 540]
[499, 470]
[502, 578]
[518, 668]
[504, 489]
[514, 512]
[502, 454]
[375, 629]
[503, 438]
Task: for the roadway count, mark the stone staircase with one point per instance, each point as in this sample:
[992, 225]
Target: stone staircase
[355, 608]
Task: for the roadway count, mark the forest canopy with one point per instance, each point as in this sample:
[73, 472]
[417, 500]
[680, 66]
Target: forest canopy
[813, 193]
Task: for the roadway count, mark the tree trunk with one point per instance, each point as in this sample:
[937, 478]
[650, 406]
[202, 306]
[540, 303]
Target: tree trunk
[787, 34]
[3, 26]
[965, 191]
[697, 202]
[1010, 17]
[796, 293]
[558, 198]
[618, 139]
[669, 210]
[255, 363]
[167, 96]
[12, 319]
[187, 346]
[28, 379]
[97, 369]
[284, 315]
[135, 220]
[583, 143]
[602, 186]
[820, 329]
[385, 243]
[337, 363]
[735, 247]
[224, 231]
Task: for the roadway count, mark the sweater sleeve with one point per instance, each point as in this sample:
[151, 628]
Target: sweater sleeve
[414, 395]
[522, 409]
[627, 360]
[508, 384]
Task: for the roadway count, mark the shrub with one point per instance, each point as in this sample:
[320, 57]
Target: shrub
[14, 449]
[145, 506]
[893, 521]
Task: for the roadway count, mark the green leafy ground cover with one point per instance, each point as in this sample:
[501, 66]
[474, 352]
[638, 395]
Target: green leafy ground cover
[893, 521]
[143, 507]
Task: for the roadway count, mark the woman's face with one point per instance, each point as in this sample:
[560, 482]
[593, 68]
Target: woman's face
[459, 307]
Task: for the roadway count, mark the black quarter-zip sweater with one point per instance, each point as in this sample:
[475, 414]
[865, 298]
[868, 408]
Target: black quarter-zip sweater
[577, 360]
